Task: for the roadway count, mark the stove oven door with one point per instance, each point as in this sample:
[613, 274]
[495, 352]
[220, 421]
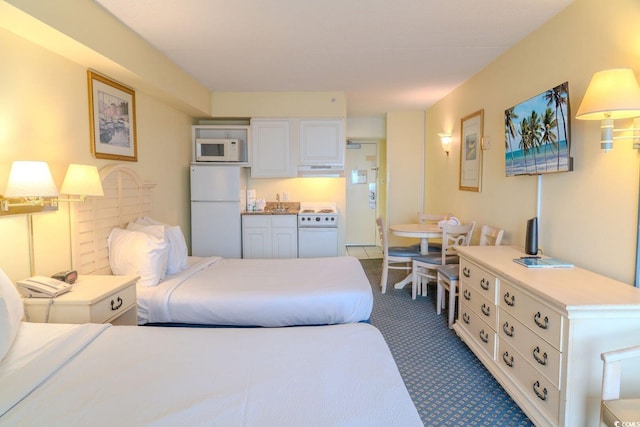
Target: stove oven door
[317, 242]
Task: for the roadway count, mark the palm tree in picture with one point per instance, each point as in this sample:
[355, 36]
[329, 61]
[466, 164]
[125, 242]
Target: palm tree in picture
[509, 130]
[525, 140]
[535, 129]
[549, 122]
[557, 98]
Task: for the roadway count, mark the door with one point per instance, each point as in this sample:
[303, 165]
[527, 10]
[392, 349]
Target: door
[216, 229]
[215, 183]
[361, 172]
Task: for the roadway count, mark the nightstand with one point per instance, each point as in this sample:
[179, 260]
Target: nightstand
[93, 299]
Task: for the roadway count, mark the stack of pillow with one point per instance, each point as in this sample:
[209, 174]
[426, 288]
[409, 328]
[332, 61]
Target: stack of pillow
[149, 249]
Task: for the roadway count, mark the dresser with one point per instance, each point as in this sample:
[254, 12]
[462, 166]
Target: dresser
[93, 299]
[540, 332]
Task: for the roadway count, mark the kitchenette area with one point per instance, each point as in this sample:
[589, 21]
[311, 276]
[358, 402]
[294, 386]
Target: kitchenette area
[245, 190]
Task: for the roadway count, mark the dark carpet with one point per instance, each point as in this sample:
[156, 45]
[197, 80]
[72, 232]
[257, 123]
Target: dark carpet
[448, 384]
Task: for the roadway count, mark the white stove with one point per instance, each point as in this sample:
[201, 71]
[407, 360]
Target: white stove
[318, 214]
[317, 230]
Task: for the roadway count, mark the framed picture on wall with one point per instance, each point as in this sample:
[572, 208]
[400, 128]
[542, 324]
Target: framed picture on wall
[112, 119]
[471, 128]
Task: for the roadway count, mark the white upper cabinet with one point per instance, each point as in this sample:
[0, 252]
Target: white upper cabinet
[271, 148]
[321, 142]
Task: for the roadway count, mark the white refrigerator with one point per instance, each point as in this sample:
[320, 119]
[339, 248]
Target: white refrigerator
[217, 193]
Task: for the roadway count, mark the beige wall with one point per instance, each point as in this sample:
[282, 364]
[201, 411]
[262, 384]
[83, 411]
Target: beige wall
[588, 216]
[44, 116]
[405, 171]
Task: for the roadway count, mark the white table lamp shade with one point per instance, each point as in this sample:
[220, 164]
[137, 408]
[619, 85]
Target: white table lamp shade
[30, 179]
[611, 94]
[82, 180]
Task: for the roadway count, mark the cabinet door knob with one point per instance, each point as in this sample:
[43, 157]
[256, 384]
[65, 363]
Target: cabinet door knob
[509, 299]
[542, 395]
[541, 325]
[115, 305]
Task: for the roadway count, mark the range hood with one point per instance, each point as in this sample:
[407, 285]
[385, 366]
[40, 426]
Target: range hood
[324, 171]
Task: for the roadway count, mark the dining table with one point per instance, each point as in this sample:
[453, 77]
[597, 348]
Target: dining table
[422, 231]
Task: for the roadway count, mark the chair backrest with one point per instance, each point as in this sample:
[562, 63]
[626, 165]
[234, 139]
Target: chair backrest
[382, 232]
[490, 236]
[426, 217]
[455, 235]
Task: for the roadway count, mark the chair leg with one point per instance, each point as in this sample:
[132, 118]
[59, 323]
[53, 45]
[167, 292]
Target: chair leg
[452, 300]
[439, 292]
[415, 283]
[383, 281]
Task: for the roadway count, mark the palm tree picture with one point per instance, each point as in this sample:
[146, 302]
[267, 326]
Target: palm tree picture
[536, 134]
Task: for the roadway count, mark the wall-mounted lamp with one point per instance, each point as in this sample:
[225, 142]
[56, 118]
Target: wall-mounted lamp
[445, 140]
[82, 181]
[30, 189]
[612, 94]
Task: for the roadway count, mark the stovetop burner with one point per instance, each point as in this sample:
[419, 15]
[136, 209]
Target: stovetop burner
[318, 214]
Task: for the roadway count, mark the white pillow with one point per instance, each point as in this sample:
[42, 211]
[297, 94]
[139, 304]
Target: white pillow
[141, 253]
[178, 251]
[11, 312]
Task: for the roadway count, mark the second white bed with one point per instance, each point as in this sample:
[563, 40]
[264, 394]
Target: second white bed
[255, 292]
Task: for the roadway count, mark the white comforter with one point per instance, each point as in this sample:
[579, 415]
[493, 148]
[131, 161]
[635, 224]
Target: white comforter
[95, 375]
[261, 292]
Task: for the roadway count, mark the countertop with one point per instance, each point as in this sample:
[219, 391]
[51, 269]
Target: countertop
[277, 208]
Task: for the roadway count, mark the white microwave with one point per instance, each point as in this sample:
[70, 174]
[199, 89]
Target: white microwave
[219, 150]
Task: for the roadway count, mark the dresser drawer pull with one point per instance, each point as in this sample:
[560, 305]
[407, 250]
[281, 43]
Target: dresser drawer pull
[543, 360]
[508, 360]
[466, 318]
[467, 295]
[484, 284]
[541, 396]
[466, 272]
[541, 325]
[509, 299]
[115, 307]
[486, 310]
[484, 336]
[508, 330]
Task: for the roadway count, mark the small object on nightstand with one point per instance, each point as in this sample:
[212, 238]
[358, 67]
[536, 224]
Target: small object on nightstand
[69, 276]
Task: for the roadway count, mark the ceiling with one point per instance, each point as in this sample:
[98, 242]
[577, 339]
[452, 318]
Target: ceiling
[385, 55]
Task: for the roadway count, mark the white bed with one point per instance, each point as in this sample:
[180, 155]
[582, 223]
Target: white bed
[254, 292]
[214, 291]
[102, 375]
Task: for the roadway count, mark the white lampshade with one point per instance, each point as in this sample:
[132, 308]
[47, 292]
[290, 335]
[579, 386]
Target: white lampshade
[445, 140]
[611, 94]
[30, 179]
[82, 180]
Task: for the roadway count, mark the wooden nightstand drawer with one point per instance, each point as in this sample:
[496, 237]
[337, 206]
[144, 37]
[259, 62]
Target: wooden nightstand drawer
[478, 329]
[93, 299]
[532, 313]
[113, 305]
[479, 279]
[539, 353]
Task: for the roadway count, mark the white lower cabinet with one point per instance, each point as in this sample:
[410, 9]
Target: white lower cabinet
[269, 236]
[541, 332]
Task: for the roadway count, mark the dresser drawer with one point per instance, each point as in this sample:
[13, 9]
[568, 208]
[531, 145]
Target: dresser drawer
[540, 354]
[482, 307]
[113, 305]
[479, 279]
[482, 333]
[532, 313]
[536, 387]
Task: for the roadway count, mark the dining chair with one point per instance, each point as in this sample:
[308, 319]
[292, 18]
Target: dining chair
[490, 236]
[423, 267]
[447, 276]
[393, 257]
[614, 410]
